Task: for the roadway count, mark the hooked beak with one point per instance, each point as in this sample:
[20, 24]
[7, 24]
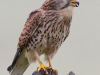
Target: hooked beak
[74, 3]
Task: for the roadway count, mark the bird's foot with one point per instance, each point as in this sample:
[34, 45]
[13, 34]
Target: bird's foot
[54, 70]
[42, 66]
[45, 68]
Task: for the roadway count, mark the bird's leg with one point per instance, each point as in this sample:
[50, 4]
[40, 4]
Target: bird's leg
[50, 66]
[42, 66]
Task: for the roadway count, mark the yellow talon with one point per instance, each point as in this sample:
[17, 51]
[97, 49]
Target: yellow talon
[54, 70]
[45, 68]
[42, 66]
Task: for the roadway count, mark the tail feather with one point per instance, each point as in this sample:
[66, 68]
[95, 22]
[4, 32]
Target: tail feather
[20, 66]
[9, 68]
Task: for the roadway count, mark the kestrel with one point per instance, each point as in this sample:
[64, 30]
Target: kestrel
[45, 30]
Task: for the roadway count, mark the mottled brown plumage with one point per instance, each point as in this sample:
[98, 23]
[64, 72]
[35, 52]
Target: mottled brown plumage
[44, 32]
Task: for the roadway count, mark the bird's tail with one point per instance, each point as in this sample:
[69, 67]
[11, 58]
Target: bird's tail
[20, 66]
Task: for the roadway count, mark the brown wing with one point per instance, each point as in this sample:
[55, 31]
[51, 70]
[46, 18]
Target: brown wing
[30, 25]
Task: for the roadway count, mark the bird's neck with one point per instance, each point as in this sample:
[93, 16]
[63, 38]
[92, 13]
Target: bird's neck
[67, 12]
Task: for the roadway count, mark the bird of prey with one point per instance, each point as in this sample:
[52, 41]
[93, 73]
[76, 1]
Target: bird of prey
[45, 30]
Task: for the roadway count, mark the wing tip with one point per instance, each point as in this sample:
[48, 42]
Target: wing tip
[9, 68]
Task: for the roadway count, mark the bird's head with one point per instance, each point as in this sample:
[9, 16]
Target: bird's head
[73, 3]
[59, 4]
[68, 3]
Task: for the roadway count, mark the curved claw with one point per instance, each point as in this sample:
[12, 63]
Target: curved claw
[45, 68]
[54, 70]
[42, 66]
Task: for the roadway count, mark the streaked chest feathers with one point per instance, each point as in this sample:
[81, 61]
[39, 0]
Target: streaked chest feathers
[50, 33]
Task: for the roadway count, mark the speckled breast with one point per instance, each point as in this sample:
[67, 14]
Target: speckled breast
[49, 34]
